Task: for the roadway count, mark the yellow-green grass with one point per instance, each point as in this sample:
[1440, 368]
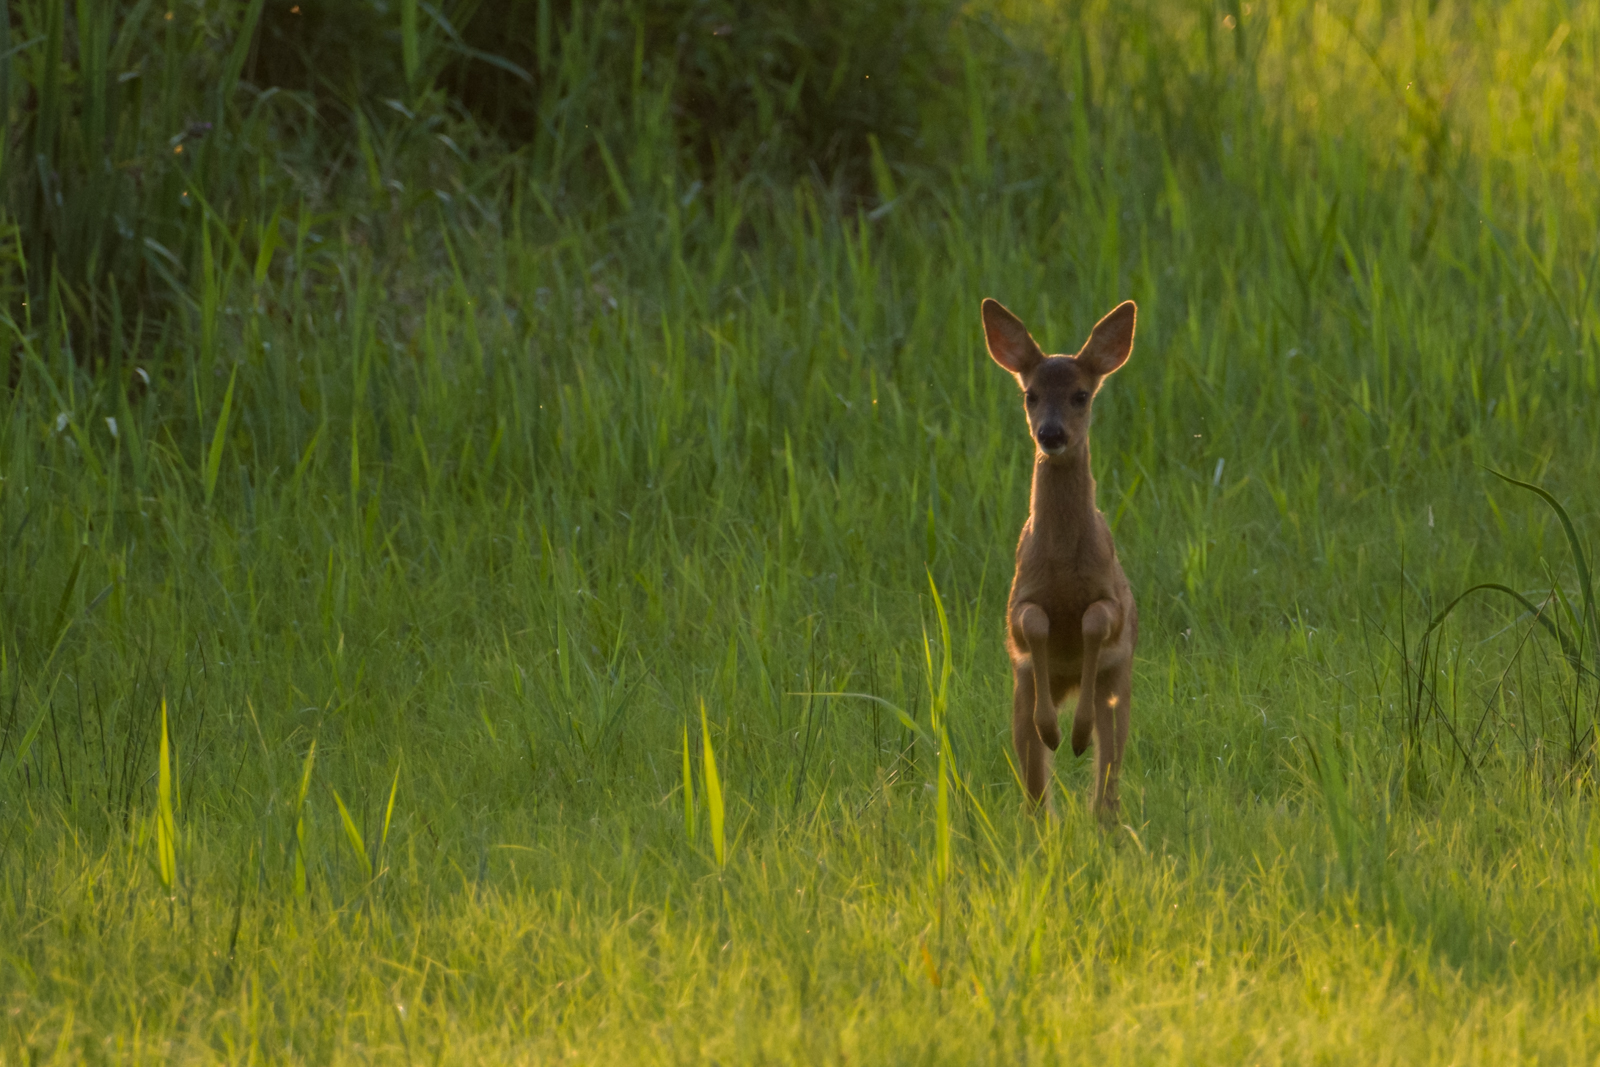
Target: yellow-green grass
[486, 499]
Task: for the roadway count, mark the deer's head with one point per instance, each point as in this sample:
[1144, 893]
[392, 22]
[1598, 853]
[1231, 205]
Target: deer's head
[1058, 391]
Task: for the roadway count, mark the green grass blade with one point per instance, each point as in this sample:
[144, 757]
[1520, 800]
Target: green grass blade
[1591, 611]
[1329, 772]
[942, 811]
[7, 50]
[713, 790]
[64, 616]
[990, 831]
[410, 48]
[305, 458]
[882, 177]
[219, 437]
[455, 45]
[26, 744]
[794, 485]
[688, 788]
[898, 712]
[166, 821]
[355, 462]
[300, 879]
[267, 238]
[947, 665]
[352, 834]
[1568, 647]
[237, 56]
[617, 184]
[47, 121]
[388, 811]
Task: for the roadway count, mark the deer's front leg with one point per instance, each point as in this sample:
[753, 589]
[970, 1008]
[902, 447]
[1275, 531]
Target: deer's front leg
[1099, 622]
[1033, 625]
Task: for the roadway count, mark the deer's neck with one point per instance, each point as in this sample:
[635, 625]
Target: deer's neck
[1062, 505]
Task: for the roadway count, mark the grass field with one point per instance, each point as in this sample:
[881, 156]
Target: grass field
[432, 662]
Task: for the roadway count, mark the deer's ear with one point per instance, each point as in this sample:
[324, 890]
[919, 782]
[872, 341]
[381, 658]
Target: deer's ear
[1109, 342]
[1010, 344]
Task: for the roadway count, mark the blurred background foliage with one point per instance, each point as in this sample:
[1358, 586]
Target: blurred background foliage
[127, 122]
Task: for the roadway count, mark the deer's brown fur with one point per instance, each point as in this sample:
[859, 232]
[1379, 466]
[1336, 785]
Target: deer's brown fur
[1071, 620]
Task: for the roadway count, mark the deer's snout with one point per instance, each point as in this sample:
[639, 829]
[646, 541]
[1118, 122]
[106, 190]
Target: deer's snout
[1052, 437]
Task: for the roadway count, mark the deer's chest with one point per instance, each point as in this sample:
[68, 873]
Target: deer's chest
[1064, 576]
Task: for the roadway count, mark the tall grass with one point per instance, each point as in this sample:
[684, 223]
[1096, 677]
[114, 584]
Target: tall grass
[514, 460]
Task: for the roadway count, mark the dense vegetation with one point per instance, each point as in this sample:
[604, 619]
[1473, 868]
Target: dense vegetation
[451, 455]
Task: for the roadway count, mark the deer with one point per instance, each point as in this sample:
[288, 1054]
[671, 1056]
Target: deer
[1071, 623]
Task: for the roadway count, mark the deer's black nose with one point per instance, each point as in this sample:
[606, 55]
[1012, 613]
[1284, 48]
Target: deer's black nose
[1051, 437]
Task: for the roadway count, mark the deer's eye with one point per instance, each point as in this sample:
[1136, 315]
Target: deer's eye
[1030, 397]
[1080, 398]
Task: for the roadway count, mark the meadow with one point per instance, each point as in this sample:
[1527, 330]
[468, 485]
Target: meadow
[477, 599]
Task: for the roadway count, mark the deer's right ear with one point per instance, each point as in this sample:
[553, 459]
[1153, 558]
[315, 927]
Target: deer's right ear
[1010, 344]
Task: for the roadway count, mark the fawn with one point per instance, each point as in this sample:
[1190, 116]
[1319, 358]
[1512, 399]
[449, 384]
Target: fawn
[1071, 620]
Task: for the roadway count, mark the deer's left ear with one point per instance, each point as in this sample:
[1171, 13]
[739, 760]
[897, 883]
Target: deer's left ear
[1110, 342]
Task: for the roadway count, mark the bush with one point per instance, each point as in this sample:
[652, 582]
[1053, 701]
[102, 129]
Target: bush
[784, 89]
[127, 124]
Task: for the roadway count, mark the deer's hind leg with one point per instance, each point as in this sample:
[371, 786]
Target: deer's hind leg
[1032, 757]
[1100, 621]
[1113, 696]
